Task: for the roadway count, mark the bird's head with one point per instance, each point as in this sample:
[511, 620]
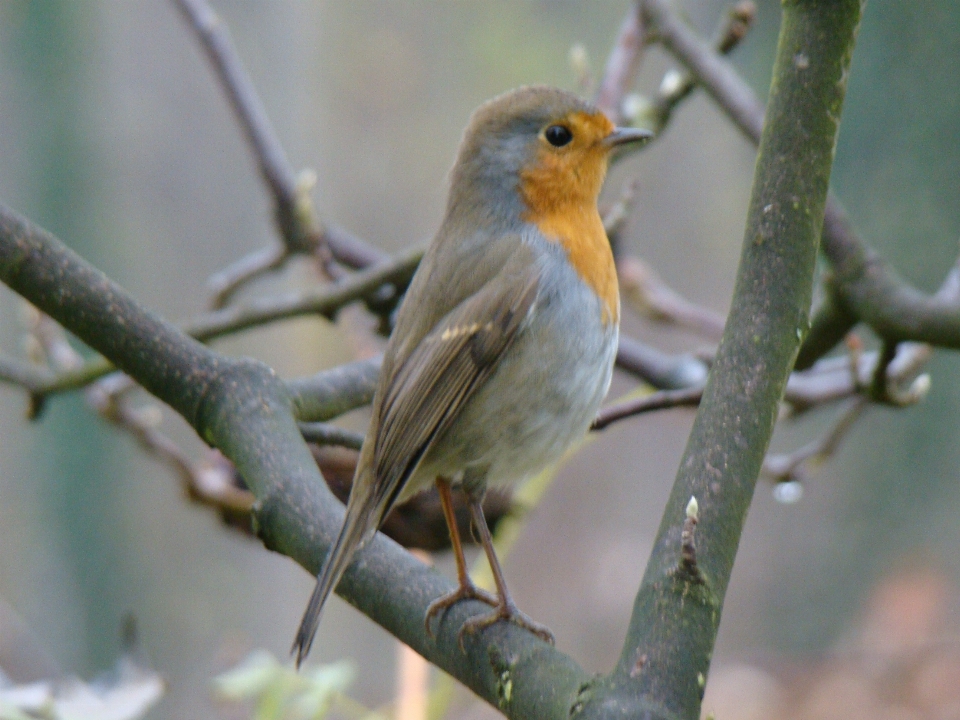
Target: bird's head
[535, 149]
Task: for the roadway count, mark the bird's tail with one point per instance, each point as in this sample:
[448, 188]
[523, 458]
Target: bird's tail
[358, 525]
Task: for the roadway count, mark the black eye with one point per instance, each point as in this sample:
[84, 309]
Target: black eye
[558, 135]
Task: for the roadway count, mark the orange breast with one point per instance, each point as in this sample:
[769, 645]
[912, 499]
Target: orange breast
[560, 189]
[581, 233]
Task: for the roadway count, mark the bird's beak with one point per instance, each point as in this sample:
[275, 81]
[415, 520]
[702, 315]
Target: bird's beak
[626, 136]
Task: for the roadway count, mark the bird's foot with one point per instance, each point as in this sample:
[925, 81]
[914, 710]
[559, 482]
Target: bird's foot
[509, 612]
[466, 591]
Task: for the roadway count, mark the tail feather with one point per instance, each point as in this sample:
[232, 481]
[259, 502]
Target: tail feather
[354, 532]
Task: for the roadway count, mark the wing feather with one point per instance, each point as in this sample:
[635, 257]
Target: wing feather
[443, 372]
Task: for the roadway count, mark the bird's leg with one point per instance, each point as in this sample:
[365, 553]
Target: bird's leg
[505, 607]
[466, 589]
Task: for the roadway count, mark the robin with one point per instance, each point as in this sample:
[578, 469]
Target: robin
[504, 344]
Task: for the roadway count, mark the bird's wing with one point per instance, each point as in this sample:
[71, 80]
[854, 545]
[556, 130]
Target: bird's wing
[430, 387]
[424, 384]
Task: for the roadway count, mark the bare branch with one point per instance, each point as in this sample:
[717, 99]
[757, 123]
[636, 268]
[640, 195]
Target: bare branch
[240, 406]
[226, 282]
[211, 483]
[676, 86]
[796, 466]
[660, 400]
[326, 434]
[832, 321]
[331, 393]
[53, 343]
[295, 214]
[831, 379]
[893, 308]
[616, 216]
[875, 294]
[650, 296]
[659, 369]
[350, 250]
[325, 301]
[380, 286]
[674, 622]
[622, 64]
[707, 66]
[26, 375]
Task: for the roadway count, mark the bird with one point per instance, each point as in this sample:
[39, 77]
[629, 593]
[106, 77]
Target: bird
[504, 343]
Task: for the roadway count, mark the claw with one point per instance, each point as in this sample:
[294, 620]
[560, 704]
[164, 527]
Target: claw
[504, 609]
[464, 592]
[510, 613]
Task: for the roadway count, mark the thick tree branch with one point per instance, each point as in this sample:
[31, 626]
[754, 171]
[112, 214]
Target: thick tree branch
[331, 393]
[892, 307]
[242, 408]
[662, 669]
[831, 322]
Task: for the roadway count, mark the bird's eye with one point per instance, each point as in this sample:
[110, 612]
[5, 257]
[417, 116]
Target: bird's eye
[558, 135]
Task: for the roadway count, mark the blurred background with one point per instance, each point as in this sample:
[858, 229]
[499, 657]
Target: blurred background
[115, 136]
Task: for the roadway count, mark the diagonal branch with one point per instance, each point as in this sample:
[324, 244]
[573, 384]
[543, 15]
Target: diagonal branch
[243, 409]
[369, 284]
[295, 214]
[622, 64]
[676, 86]
[873, 292]
[646, 292]
[687, 397]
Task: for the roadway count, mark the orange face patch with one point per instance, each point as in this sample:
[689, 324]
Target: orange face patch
[560, 191]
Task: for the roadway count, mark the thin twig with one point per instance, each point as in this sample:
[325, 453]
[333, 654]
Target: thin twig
[795, 466]
[664, 371]
[893, 308]
[707, 66]
[48, 343]
[616, 216]
[879, 387]
[380, 286]
[622, 65]
[659, 400]
[26, 375]
[296, 216]
[211, 483]
[325, 301]
[350, 251]
[676, 85]
[224, 283]
[650, 296]
[836, 378]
